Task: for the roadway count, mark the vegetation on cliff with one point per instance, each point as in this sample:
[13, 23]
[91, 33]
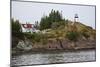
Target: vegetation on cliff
[54, 28]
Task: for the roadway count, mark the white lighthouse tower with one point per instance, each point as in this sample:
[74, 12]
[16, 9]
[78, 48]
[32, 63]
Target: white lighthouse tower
[76, 18]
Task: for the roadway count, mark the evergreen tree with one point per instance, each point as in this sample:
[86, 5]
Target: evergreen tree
[47, 21]
[36, 25]
[16, 27]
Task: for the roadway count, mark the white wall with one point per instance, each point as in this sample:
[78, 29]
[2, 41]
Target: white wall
[5, 33]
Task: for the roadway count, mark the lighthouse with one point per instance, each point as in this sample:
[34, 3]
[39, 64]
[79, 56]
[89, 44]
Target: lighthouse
[76, 18]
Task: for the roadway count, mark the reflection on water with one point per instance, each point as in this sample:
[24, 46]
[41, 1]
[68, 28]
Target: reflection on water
[45, 58]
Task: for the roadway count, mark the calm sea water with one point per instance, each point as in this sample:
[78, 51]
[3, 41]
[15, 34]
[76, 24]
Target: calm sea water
[46, 58]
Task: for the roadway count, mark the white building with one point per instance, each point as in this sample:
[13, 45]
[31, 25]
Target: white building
[76, 18]
[28, 28]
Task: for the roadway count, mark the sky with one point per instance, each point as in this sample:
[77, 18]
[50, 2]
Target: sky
[32, 11]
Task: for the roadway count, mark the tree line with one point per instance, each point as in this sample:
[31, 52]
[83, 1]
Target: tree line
[52, 20]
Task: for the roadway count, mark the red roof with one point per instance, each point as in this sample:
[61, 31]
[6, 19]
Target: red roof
[27, 25]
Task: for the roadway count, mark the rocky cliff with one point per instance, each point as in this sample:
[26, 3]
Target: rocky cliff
[76, 36]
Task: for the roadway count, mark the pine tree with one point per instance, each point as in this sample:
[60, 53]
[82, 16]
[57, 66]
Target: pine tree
[47, 21]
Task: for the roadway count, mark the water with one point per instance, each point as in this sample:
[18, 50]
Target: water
[46, 58]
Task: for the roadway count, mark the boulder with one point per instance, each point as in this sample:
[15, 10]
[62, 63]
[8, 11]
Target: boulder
[24, 45]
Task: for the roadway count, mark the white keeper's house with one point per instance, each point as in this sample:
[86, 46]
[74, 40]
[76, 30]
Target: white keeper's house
[27, 27]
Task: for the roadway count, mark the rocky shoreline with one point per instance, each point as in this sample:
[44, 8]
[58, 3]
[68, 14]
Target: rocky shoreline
[35, 51]
[26, 46]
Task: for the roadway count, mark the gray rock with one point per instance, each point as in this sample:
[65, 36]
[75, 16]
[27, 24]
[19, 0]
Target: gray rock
[24, 45]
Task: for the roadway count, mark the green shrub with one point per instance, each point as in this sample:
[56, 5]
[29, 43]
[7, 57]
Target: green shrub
[35, 36]
[86, 35]
[73, 36]
[15, 26]
[85, 32]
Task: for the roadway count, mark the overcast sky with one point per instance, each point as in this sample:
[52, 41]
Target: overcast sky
[31, 12]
